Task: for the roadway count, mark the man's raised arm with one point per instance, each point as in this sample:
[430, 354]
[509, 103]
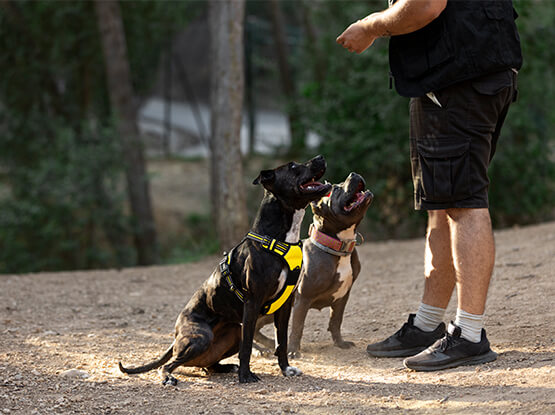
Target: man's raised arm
[404, 16]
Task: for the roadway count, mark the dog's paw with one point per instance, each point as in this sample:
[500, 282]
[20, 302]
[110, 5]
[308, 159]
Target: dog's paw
[344, 344]
[248, 377]
[292, 371]
[169, 381]
[294, 355]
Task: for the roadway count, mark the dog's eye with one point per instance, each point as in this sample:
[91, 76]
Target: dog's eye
[292, 165]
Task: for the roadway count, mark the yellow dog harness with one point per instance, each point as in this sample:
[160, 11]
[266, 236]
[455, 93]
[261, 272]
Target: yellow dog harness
[292, 254]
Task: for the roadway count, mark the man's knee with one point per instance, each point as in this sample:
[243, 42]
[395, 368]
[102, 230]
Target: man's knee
[458, 214]
[437, 218]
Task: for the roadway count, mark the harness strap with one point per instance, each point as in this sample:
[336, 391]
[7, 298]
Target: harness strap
[291, 253]
[224, 269]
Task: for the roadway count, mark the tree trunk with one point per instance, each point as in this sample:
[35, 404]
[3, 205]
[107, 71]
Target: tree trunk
[226, 101]
[296, 128]
[123, 107]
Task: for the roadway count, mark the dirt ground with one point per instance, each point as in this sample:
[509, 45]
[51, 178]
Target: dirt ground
[62, 335]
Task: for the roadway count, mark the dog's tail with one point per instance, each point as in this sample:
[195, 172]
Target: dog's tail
[149, 366]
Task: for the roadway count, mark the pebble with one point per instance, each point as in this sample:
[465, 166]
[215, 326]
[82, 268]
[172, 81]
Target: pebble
[75, 373]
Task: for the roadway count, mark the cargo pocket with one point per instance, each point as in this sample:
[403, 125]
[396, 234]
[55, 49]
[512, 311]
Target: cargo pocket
[445, 169]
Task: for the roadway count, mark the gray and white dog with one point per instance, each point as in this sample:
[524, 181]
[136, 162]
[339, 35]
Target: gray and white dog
[330, 261]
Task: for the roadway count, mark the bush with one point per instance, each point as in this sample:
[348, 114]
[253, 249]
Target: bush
[65, 211]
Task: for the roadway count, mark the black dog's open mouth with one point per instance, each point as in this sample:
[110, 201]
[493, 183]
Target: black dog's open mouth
[358, 198]
[313, 185]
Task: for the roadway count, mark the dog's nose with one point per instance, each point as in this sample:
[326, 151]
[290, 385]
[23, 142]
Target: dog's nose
[354, 175]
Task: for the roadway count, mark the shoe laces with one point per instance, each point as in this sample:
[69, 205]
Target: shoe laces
[446, 342]
[402, 330]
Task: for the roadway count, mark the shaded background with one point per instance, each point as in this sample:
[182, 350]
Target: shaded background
[64, 185]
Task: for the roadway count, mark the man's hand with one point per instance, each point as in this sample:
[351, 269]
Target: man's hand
[357, 37]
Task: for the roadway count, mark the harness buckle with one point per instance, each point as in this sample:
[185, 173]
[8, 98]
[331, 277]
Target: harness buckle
[267, 242]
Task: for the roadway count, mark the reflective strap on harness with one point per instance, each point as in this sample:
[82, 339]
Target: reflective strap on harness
[224, 269]
[291, 253]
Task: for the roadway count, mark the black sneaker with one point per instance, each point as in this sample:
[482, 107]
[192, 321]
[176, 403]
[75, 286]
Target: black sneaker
[407, 341]
[452, 351]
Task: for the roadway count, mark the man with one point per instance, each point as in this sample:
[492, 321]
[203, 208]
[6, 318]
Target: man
[457, 60]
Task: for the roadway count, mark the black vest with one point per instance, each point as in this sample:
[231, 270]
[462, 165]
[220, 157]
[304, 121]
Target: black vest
[468, 39]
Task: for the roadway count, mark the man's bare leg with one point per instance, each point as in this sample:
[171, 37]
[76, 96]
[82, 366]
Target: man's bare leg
[473, 250]
[438, 261]
[439, 272]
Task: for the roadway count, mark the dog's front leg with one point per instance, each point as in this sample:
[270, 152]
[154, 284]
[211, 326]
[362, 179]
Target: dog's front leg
[250, 315]
[281, 321]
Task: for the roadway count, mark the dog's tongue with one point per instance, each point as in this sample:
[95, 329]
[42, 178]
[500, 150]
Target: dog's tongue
[311, 185]
[355, 202]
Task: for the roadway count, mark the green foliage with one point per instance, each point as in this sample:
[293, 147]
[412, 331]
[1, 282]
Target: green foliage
[66, 211]
[60, 164]
[523, 169]
[149, 28]
[196, 239]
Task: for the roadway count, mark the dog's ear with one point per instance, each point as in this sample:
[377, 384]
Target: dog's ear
[265, 177]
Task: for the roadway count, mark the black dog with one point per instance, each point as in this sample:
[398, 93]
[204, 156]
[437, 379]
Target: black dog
[256, 277]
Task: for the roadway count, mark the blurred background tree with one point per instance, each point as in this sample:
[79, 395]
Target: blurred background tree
[60, 166]
[227, 193]
[62, 187]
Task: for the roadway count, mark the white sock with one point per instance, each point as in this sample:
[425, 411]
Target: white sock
[428, 317]
[470, 324]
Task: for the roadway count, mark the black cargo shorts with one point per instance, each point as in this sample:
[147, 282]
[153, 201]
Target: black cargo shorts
[451, 146]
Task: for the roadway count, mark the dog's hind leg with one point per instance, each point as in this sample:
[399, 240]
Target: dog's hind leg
[336, 318]
[226, 343]
[187, 347]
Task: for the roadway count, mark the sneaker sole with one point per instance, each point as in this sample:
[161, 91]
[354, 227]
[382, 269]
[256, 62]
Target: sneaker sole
[468, 361]
[395, 353]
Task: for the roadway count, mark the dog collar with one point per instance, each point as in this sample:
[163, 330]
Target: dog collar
[292, 254]
[330, 244]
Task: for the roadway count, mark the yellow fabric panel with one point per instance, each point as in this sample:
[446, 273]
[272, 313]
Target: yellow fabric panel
[282, 299]
[294, 257]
